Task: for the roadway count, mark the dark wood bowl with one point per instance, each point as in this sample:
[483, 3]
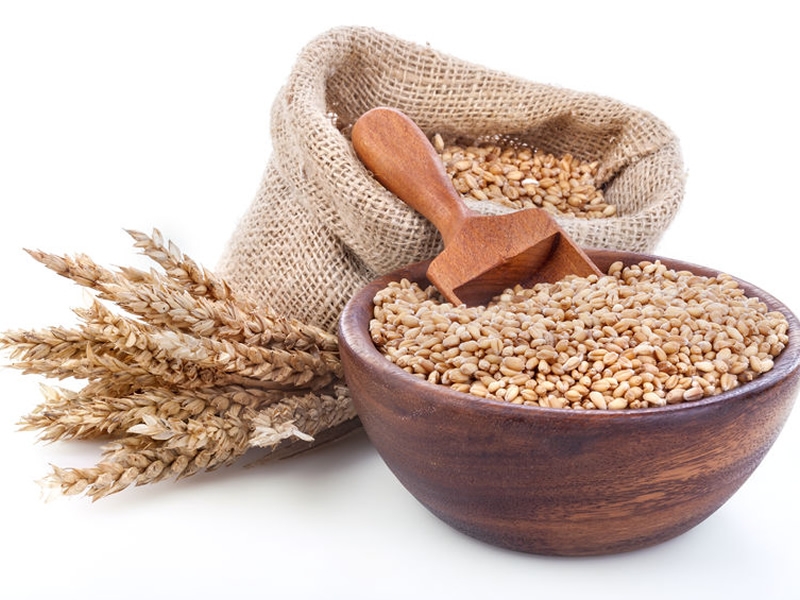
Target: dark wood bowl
[557, 481]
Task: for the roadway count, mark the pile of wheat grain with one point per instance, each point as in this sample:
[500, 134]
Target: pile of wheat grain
[519, 176]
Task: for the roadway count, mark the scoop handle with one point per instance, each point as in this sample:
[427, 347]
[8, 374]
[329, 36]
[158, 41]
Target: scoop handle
[404, 161]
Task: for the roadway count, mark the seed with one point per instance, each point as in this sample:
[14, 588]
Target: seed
[694, 393]
[494, 386]
[572, 363]
[706, 366]
[547, 354]
[610, 358]
[468, 369]
[474, 331]
[728, 382]
[621, 389]
[409, 320]
[598, 400]
[618, 404]
[514, 363]
[450, 341]
[478, 194]
[603, 385]
[654, 399]
[573, 395]
[478, 389]
[609, 210]
[675, 395]
[471, 182]
[469, 347]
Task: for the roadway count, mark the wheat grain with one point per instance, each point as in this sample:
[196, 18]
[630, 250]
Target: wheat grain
[512, 174]
[641, 336]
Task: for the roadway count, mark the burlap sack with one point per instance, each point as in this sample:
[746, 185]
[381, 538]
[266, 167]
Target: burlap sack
[321, 227]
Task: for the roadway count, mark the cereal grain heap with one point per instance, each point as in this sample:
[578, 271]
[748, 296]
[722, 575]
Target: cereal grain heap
[641, 336]
[518, 176]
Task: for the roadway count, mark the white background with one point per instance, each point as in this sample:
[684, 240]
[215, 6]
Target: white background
[156, 114]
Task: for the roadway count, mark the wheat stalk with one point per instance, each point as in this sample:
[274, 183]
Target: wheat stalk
[180, 268]
[115, 343]
[189, 379]
[173, 354]
[163, 301]
[127, 461]
[202, 437]
[258, 324]
[66, 414]
[302, 417]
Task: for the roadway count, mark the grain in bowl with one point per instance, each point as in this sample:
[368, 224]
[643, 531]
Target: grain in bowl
[519, 476]
[643, 335]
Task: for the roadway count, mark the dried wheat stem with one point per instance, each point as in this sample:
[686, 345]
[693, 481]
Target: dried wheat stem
[191, 434]
[36, 344]
[181, 359]
[135, 291]
[118, 386]
[131, 461]
[162, 302]
[91, 367]
[188, 380]
[96, 357]
[232, 318]
[59, 353]
[111, 342]
[66, 414]
[183, 271]
[301, 416]
[225, 431]
[179, 267]
[203, 444]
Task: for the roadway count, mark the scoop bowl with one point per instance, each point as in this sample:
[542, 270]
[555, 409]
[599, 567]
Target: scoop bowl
[558, 481]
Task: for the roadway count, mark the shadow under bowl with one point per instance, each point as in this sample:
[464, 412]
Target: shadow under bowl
[558, 481]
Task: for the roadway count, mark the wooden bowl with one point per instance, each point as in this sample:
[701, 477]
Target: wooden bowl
[557, 481]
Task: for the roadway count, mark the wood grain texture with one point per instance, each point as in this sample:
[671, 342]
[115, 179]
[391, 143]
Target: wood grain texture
[562, 482]
[483, 254]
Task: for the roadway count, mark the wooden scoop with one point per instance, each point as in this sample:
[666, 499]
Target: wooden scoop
[483, 255]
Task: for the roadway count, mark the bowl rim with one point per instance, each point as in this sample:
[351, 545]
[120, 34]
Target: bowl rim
[358, 340]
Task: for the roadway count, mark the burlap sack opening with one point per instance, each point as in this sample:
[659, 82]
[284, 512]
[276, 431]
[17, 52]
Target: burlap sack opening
[320, 226]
